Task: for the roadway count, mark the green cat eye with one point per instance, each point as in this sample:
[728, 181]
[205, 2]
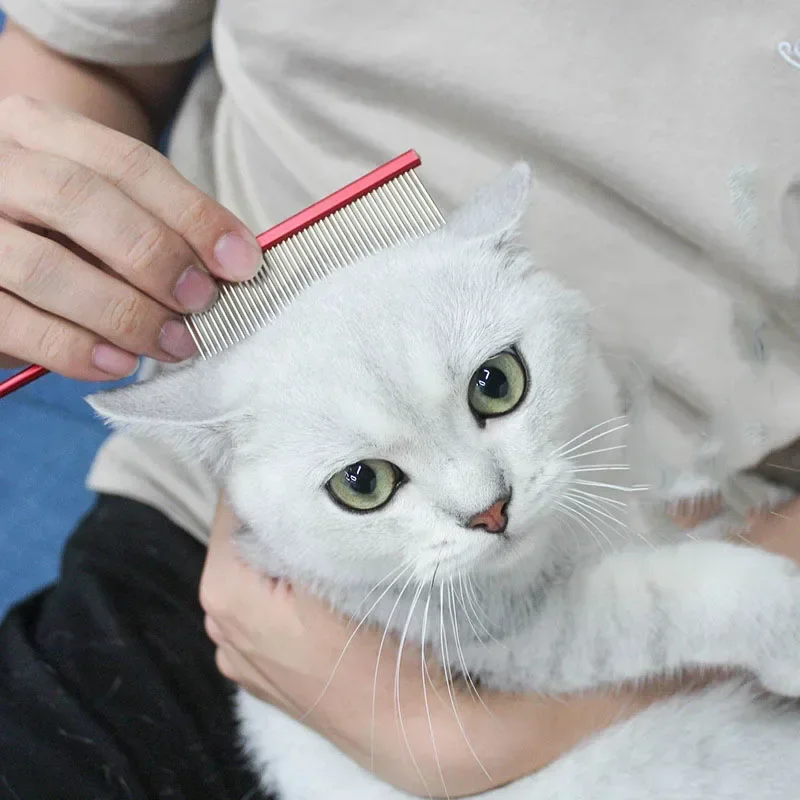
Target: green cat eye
[366, 485]
[497, 386]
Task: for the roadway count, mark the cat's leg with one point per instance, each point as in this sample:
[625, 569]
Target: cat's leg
[644, 613]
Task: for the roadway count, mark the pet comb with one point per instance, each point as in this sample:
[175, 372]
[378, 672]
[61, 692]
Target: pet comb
[386, 207]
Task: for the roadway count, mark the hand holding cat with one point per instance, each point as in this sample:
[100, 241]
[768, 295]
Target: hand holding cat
[103, 246]
[283, 646]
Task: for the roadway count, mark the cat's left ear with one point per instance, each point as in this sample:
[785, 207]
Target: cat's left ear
[494, 211]
[190, 409]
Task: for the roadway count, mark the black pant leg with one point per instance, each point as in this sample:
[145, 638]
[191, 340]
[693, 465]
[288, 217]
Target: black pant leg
[108, 687]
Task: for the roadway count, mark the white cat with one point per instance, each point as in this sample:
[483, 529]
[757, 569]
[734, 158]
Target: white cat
[437, 422]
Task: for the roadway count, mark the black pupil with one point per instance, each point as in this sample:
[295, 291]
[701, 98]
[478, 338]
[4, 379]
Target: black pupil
[492, 382]
[362, 478]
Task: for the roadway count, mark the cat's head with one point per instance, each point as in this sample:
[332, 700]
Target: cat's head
[406, 410]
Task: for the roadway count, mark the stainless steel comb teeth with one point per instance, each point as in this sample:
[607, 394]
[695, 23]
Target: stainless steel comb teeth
[384, 208]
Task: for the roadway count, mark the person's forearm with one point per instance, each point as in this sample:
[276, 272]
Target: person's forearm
[28, 67]
[535, 731]
[523, 734]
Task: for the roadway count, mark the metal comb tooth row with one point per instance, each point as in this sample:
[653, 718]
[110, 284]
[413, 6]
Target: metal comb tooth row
[399, 211]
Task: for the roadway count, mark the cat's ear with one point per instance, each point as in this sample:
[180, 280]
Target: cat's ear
[495, 210]
[190, 409]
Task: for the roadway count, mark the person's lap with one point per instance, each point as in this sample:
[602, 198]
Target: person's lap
[108, 686]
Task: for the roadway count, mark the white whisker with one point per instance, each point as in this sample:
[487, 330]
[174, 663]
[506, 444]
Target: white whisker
[478, 612]
[560, 449]
[424, 671]
[449, 681]
[594, 507]
[582, 522]
[377, 667]
[352, 636]
[375, 588]
[596, 504]
[432, 683]
[600, 498]
[397, 704]
[593, 439]
[603, 468]
[595, 524]
[782, 466]
[460, 650]
[566, 522]
[614, 486]
[467, 612]
[597, 452]
[603, 516]
[478, 609]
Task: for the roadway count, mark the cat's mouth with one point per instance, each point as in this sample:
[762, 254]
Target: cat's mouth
[473, 549]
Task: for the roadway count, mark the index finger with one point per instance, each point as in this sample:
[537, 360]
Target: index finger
[222, 241]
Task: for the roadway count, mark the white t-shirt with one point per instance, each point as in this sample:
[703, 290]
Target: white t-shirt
[665, 138]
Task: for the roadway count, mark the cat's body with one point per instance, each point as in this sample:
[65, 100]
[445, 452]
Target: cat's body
[374, 367]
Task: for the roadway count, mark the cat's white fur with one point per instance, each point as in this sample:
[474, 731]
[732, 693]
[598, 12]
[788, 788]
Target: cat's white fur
[374, 362]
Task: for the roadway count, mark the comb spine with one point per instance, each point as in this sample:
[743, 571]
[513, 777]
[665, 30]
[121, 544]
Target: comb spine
[340, 198]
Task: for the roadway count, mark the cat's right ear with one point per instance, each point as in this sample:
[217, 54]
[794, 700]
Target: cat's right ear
[494, 211]
[191, 409]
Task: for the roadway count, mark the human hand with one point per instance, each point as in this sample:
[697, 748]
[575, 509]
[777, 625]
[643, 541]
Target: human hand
[289, 649]
[284, 646]
[102, 246]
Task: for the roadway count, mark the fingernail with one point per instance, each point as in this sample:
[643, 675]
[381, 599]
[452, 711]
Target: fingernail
[113, 361]
[195, 290]
[176, 341]
[239, 255]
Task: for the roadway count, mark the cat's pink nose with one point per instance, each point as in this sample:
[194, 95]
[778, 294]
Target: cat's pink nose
[494, 519]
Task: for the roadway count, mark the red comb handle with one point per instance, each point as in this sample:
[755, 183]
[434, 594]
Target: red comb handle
[22, 378]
